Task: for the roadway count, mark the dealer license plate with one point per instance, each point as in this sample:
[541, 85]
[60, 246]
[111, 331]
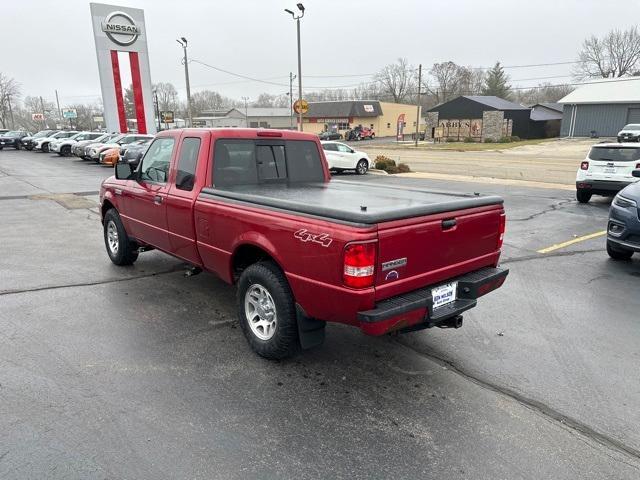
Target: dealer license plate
[444, 294]
[609, 169]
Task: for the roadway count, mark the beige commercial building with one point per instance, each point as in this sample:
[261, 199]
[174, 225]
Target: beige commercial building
[387, 119]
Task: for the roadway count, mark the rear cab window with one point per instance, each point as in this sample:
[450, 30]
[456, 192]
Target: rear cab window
[614, 154]
[187, 163]
[251, 162]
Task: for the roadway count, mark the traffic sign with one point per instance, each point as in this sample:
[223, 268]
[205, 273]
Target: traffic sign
[69, 113]
[301, 106]
[37, 117]
[166, 116]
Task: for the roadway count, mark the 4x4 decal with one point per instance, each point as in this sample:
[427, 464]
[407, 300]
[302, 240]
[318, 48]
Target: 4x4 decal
[322, 238]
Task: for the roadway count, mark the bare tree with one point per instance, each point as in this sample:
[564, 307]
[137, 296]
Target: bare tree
[207, 100]
[452, 80]
[167, 96]
[617, 54]
[545, 92]
[9, 93]
[396, 80]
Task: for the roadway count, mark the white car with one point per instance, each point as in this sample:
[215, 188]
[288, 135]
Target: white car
[63, 146]
[607, 170]
[43, 143]
[342, 157]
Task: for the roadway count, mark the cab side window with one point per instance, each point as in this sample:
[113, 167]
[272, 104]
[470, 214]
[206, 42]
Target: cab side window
[343, 148]
[155, 164]
[187, 162]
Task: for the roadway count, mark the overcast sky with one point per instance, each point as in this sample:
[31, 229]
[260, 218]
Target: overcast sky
[48, 45]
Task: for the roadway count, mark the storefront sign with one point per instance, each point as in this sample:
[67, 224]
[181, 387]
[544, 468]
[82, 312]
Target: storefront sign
[37, 117]
[69, 113]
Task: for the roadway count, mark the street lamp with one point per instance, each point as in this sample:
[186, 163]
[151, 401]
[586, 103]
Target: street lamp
[246, 111]
[297, 19]
[183, 44]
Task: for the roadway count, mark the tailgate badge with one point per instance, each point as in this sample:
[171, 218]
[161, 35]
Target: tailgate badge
[391, 264]
[392, 275]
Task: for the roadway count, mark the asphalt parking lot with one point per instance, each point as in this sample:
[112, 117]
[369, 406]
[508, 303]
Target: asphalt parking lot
[141, 372]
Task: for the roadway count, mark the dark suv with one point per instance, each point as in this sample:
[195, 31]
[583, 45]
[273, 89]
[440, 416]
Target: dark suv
[623, 230]
[12, 139]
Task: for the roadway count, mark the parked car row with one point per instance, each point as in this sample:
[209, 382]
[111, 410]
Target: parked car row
[613, 169]
[105, 148]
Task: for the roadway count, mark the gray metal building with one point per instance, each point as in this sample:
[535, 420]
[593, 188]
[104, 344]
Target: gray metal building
[601, 108]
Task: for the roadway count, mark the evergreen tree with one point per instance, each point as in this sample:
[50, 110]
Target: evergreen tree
[495, 83]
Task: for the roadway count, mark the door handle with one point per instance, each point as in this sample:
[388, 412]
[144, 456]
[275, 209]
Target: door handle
[449, 223]
[157, 199]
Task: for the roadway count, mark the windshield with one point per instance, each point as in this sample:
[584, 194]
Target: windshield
[13, 132]
[116, 138]
[632, 126]
[614, 154]
[45, 133]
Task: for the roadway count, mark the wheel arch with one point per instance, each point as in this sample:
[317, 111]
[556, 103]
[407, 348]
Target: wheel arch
[249, 252]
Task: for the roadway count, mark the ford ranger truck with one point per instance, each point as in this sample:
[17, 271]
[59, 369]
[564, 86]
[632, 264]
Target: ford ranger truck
[258, 208]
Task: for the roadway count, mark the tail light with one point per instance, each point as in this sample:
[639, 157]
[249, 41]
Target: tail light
[359, 265]
[637, 166]
[503, 227]
[584, 166]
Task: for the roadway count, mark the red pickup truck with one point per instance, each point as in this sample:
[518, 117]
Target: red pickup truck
[258, 208]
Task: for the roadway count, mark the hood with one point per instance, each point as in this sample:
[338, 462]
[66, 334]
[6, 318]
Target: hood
[632, 132]
[632, 192]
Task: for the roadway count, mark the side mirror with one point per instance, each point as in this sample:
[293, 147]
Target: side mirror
[134, 162]
[124, 171]
[636, 173]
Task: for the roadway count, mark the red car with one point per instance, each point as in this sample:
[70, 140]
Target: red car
[258, 209]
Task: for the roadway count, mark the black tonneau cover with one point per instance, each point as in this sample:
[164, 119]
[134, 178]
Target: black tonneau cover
[350, 202]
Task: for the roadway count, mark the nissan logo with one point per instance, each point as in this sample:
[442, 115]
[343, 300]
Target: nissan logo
[121, 28]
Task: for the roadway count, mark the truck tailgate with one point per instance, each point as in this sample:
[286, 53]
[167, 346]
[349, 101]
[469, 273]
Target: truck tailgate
[427, 250]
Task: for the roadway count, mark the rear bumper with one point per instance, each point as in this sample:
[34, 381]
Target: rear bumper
[601, 187]
[416, 307]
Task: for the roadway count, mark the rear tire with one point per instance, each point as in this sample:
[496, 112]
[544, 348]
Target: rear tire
[65, 151]
[45, 147]
[362, 167]
[583, 196]
[266, 311]
[617, 253]
[120, 249]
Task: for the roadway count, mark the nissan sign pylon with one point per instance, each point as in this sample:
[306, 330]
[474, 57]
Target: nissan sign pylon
[121, 29]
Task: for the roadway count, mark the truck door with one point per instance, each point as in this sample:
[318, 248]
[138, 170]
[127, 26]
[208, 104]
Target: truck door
[181, 197]
[146, 204]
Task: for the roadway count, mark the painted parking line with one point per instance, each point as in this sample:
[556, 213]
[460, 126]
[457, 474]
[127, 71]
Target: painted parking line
[558, 246]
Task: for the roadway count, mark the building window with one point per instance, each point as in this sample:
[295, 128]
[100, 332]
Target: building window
[371, 125]
[388, 125]
[253, 124]
[264, 124]
[414, 124]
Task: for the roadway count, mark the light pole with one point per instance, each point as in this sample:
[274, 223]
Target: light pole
[297, 19]
[292, 77]
[157, 107]
[183, 42]
[246, 111]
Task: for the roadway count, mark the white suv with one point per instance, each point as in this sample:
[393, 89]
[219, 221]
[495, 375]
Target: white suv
[342, 157]
[43, 143]
[62, 146]
[607, 170]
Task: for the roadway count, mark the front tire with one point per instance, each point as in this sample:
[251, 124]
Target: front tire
[120, 249]
[266, 311]
[45, 147]
[583, 196]
[65, 151]
[618, 254]
[362, 167]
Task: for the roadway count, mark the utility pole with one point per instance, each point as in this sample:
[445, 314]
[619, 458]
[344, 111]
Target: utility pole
[58, 104]
[183, 43]
[246, 111]
[157, 105]
[44, 122]
[297, 19]
[418, 112]
[292, 77]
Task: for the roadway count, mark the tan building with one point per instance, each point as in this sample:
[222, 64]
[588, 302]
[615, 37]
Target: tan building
[385, 118]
